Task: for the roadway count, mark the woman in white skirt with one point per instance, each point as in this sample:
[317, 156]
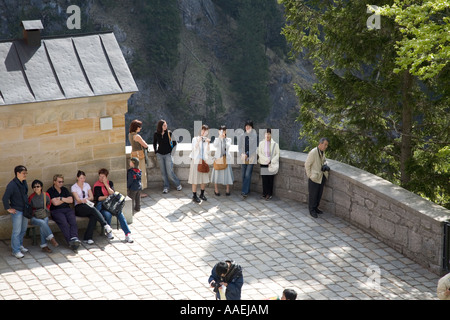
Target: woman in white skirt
[200, 152]
[224, 175]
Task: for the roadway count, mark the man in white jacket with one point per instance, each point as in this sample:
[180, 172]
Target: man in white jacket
[317, 172]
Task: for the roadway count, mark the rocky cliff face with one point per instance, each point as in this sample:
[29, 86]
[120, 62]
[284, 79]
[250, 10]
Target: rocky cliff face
[205, 29]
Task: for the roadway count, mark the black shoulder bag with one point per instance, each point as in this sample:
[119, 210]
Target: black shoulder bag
[114, 203]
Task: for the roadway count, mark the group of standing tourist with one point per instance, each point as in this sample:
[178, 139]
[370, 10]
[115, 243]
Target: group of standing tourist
[267, 153]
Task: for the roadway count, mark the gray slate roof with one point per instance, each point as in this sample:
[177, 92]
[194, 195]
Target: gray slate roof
[63, 68]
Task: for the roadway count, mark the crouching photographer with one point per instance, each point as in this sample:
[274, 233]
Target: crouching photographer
[227, 280]
[317, 171]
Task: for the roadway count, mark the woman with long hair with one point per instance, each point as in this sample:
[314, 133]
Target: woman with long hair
[163, 145]
[138, 145]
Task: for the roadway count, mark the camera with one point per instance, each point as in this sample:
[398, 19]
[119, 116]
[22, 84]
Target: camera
[216, 286]
[325, 167]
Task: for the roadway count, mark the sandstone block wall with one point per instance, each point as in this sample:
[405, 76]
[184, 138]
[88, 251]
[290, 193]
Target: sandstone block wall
[63, 137]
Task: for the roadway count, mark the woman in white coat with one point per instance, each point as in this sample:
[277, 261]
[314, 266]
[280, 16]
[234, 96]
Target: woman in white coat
[222, 173]
[269, 157]
[199, 154]
[443, 288]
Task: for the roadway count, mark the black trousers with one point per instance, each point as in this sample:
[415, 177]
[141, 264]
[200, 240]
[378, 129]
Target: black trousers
[83, 210]
[267, 181]
[315, 193]
[268, 185]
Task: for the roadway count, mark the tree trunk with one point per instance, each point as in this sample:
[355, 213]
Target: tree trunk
[407, 114]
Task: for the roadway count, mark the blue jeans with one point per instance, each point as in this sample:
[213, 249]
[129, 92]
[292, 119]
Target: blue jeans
[44, 229]
[19, 228]
[247, 170]
[166, 166]
[108, 216]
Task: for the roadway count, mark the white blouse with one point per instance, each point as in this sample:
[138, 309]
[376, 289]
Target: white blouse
[76, 188]
[196, 153]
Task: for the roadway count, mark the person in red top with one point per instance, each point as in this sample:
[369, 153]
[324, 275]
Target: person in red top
[37, 200]
[102, 189]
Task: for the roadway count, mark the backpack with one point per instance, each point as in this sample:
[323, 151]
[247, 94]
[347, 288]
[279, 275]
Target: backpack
[114, 203]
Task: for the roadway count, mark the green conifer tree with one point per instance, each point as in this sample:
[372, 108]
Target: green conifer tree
[382, 121]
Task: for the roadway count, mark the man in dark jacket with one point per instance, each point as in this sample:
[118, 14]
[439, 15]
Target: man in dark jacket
[229, 274]
[14, 200]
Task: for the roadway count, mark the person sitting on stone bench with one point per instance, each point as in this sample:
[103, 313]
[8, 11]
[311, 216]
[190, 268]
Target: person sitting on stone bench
[40, 202]
[62, 213]
[102, 189]
[83, 196]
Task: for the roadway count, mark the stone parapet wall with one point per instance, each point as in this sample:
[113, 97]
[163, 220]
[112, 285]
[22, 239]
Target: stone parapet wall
[64, 137]
[406, 222]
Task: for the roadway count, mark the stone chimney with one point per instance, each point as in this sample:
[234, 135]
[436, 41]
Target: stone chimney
[32, 32]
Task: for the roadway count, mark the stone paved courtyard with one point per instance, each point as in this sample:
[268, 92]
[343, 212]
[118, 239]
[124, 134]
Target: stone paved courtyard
[177, 243]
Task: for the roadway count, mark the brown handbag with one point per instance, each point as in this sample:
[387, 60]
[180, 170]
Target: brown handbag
[221, 163]
[138, 154]
[203, 167]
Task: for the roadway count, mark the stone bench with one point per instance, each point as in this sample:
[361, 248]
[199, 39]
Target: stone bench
[82, 223]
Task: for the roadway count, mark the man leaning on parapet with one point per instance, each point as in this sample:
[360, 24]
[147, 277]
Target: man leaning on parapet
[317, 171]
